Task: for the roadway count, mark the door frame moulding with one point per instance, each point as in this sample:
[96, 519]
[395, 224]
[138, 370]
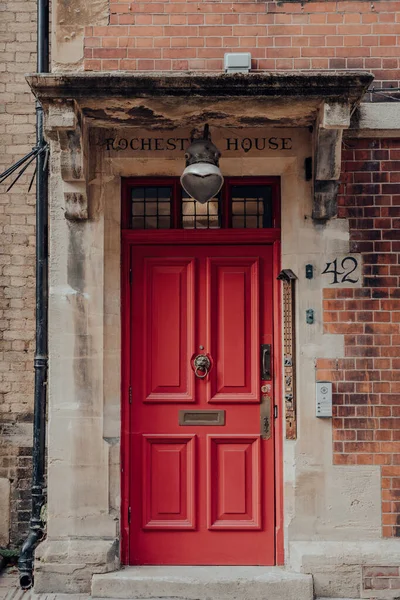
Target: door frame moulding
[131, 238]
[216, 237]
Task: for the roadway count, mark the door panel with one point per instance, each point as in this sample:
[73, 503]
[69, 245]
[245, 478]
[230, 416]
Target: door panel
[233, 288]
[169, 334]
[202, 487]
[168, 480]
[234, 482]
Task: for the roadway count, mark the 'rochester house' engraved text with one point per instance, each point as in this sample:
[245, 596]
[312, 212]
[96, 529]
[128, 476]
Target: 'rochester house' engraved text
[232, 144]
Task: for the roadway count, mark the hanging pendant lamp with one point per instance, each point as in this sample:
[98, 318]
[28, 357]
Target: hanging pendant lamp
[202, 178]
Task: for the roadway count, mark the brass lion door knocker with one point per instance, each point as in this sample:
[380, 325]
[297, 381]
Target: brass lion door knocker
[201, 365]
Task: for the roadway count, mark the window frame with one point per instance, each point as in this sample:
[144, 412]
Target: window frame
[176, 205]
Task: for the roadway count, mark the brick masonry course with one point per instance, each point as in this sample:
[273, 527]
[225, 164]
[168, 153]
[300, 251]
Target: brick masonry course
[173, 35]
[380, 578]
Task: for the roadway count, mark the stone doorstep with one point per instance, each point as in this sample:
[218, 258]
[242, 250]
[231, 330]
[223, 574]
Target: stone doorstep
[203, 583]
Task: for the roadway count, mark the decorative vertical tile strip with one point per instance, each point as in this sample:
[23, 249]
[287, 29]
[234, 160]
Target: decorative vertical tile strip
[289, 353]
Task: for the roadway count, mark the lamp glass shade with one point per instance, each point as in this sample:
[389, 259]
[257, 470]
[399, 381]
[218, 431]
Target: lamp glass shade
[202, 181]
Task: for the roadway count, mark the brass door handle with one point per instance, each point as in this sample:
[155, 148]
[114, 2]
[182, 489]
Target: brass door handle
[266, 362]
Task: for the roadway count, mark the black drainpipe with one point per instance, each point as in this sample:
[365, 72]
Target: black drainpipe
[36, 526]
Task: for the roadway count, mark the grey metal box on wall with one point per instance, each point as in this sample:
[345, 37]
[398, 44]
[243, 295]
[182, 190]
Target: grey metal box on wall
[323, 399]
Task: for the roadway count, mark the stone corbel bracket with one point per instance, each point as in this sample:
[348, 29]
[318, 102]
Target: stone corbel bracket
[63, 124]
[333, 118]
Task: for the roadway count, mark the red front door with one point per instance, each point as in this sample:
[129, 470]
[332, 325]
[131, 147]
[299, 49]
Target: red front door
[201, 475]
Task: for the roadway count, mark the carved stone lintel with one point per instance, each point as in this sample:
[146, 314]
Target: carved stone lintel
[333, 118]
[63, 125]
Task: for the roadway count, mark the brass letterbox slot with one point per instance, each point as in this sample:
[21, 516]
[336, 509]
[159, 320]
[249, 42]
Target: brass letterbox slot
[201, 417]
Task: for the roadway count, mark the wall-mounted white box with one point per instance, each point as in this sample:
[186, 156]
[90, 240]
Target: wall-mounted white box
[323, 398]
[237, 62]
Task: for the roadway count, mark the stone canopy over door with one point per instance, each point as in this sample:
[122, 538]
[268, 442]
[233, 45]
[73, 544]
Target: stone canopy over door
[322, 100]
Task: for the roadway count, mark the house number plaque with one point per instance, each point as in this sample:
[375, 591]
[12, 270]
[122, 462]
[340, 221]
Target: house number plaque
[343, 270]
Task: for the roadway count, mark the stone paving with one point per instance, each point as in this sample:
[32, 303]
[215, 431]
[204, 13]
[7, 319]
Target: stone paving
[10, 590]
[9, 585]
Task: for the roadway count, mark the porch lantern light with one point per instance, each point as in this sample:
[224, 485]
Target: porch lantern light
[202, 178]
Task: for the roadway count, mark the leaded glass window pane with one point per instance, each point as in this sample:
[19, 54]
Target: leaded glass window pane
[251, 206]
[200, 216]
[151, 207]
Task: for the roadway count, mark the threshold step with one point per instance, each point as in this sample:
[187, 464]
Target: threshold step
[203, 583]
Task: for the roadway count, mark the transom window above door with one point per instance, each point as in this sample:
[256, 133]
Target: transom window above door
[243, 203]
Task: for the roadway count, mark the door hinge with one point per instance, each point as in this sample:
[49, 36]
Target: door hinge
[130, 395]
[275, 411]
[130, 277]
[129, 515]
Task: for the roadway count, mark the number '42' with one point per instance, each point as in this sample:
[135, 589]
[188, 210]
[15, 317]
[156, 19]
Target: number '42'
[349, 265]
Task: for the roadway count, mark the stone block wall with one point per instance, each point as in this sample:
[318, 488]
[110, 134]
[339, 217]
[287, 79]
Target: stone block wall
[17, 270]
[165, 35]
[366, 423]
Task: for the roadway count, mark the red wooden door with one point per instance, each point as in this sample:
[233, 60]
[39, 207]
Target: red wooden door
[200, 493]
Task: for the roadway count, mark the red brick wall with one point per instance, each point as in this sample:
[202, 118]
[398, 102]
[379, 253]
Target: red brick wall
[380, 578]
[188, 35]
[366, 424]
